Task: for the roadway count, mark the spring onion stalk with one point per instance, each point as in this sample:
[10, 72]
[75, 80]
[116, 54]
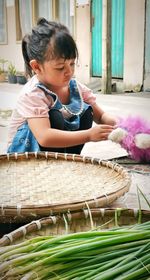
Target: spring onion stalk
[138, 273]
[114, 254]
[135, 268]
[112, 273]
[140, 192]
[111, 270]
[100, 268]
[82, 245]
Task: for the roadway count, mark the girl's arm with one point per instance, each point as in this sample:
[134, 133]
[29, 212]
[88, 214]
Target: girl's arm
[50, 137]
[101, 117]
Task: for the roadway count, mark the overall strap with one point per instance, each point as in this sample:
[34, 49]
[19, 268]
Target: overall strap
[75, 106]
[57, 103]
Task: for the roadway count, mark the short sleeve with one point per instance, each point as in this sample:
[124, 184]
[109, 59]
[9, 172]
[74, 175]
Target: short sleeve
[34, 104]
[87, 94]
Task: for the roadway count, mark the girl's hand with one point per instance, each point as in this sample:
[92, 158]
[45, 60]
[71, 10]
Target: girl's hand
[100, 132]
[50, 137]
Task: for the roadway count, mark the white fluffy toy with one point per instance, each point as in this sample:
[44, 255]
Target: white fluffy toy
[133, 134]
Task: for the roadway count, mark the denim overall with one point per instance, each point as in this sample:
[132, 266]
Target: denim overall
[24, 140]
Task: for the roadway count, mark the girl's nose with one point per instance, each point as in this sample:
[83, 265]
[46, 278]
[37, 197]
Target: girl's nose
[68, 70]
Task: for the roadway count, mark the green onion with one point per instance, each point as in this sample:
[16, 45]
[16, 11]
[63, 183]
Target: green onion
[122, 253]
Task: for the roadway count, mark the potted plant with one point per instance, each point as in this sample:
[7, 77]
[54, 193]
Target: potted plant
[12, 78]
[21, 79]
[2, 69]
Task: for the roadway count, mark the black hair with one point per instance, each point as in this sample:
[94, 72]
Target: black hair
[48, 40]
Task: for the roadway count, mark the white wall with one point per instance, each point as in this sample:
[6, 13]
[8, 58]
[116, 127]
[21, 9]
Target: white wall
[147, 49]
[83, 40]
[12, 50]
[134, 44]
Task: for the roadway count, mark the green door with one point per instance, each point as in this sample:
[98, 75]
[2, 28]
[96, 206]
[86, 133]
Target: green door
[118, 16]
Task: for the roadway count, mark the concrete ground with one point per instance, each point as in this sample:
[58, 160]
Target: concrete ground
[120, 104]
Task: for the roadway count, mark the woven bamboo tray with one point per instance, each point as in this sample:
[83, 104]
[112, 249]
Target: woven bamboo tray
[41, 184]
[83, 220]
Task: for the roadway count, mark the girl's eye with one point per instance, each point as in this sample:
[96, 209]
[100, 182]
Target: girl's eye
[60, 69]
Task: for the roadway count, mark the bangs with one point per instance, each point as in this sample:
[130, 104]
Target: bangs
[63, 46]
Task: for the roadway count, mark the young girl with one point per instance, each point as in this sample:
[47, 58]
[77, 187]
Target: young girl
[54, 112]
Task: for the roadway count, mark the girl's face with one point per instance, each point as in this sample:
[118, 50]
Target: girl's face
[56, 73]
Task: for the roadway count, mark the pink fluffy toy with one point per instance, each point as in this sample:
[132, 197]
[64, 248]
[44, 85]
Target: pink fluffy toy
[133, 134]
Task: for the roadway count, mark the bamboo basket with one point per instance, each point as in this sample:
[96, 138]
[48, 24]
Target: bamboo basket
[35, 185]
[80, 221]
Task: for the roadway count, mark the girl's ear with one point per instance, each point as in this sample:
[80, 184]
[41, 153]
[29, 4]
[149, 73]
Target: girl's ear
[35, 66]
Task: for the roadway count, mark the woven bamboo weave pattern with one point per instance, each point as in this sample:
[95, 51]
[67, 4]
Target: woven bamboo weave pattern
[77, 222]
[37, 181]
[49, 182]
